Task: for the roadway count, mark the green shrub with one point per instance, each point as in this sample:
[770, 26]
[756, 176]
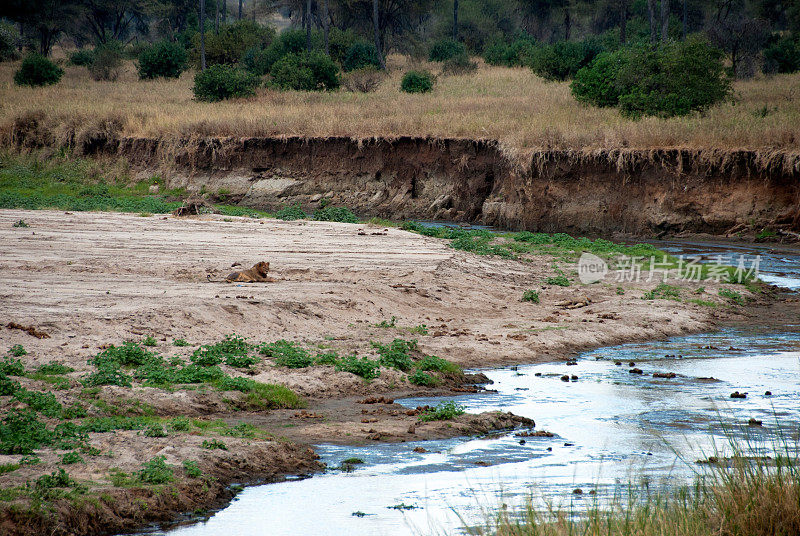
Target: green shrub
[9, 39]
[107, 61]
[220, 82]
[54, 368]
[305, 71]
[339, 214]
[7, 385]
[56, 479]
[192, 469]
[444, 49]
[155, 471]
[71, 457]
[459, 65]
[732, 295]
[417, 82]
[560, 61]
[782, 54]
[129, 354]
[291, 213]
[164, 59]
[271, 396]
[366, 368]
[361, 54]
[559, 280]
[108, 373]
[17, 350]
[233, 350]
[326, 358]
[339, 43]
[21, 432]
[396, 354]
[674, 79]
[662, 291]
[81, 58]
[44, 403]
[530, 296]
[232, 42]
[149, 341]
[74, 411]
[438, 364]
[423, 379]
[258, 61]
[516, 54]
[443, 412]
[155, 430]
[12, 367]
[180, 424]
[214, 444]
[287, 354]
[36, 70]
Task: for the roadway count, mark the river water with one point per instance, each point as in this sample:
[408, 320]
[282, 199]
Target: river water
[611, 428]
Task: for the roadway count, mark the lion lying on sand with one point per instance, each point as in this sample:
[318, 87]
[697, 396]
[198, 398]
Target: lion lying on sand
[259, 273]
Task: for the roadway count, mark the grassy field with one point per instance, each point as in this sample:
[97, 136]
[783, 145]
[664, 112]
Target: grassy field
[513, 106]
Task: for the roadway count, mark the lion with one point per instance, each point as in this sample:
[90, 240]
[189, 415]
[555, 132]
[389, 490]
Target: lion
[257, 274]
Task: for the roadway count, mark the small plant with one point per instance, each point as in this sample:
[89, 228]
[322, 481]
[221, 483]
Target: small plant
[12, 367]
[36, 70]
[149, 341]
[214, 444]
[220, 82]
[180, 424]
[327, 358]
[662, 291]
[156, 471]
[446, 49]
[438, 364]
[423, 378]
[287, 354]
[291, 213]
[107, 61]
[732, 295]
[17, 350]
[54, 368]
[180, 342]
[56, 479]
[396, 354]
[364, 80]
[530, 296]
[71, 457]
[192, 469]
[338, 214]
[44, 403]
[155, 430]
[7, 385]
[559, 280]
[417, 82]
[443, 412]
[20, 223]
[459, 65]
[81, 58]
[421, 329]
[366, 368]
[163, 59]
[387, 324]
[129, 354]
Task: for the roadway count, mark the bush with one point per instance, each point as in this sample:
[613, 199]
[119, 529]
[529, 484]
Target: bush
[54, 368]
[530, 296]
[443, 412]
[424, 379]
[156, 471]
[9, 38]
[21, 432]
[129, 354]
[438, 364]
[417, 82]
[81, 58]
[17, 350]
[12, 367]
[675, 79]
[287, 354]
[257, 61]
[8, 386]
[559, 280]
[164, 59]
[516, 54]
[306, 71]
[71, 457]
[360, 55]
[445, 49]
[36, 70]
[220, 82]
[192, 469]
[459, 65]
[338, 214]
[782, 55]
[560, 61]
[291, 213]
[229, 46]
[366, 368]
[107, 61]
[396, 354]
[364, 80]
[339, 43]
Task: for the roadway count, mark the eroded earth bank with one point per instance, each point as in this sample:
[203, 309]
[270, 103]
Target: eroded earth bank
[75, 284]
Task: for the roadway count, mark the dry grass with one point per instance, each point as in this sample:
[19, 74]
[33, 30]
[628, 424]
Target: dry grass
[513, 106]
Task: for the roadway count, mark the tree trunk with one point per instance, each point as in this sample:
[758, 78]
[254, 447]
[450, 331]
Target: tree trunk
[455, 20]
[202, 35]
[308, 25]
[567, 23]
[684, 20]
[240, 9]
[325, 25]
[623, 24]
[664, 20]
[375, 20]
[216, 17]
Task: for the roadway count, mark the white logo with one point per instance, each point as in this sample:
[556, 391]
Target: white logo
[591, 268]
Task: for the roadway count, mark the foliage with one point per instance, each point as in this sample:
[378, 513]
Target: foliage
[396, 354]
[21, 432]
[732, 295]
[366, 368]
[9, 38]
[107, 61]
[108, 373]
[662, 291]
[192, 469]
[559, 280]
[459, 65]
[360, 55]
[291, 213]
[364, 80]
[81, 58]
[326, 358]
[11, 366]
[305, 71]
[423, 379]
[674, 79]
[438, 364]
[54, 368]
[287, 354]
[233, 350]
[214, 444]
[515, 54]
[530, 296]
[339, 214]
[155, 471]
[220, 82]
[445, 49]
[445, 411]
[180, 342]
[417, 82]
[155, 430]
[71, 457]
[164, 59]
[7, 385]
[232, 42]
[17, 350]
[560, 61]
[44, 403]
[782, 54]
[36, 70]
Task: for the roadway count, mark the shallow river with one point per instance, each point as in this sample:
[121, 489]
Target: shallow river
[611, 429]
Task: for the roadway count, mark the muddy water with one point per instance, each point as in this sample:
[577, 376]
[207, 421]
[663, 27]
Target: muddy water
[610, 427]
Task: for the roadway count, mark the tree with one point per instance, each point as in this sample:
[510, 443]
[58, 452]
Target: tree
[455, 20]
[326, 26]
[376, 26]
[202, 35]
[308, 25]
[741, 37]
[46, 18]
[664, 20]
[112, 20]
[651, 15]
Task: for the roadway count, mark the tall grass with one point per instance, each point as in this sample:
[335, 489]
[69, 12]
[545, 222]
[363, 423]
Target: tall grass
[512, 105]
[745, 494]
